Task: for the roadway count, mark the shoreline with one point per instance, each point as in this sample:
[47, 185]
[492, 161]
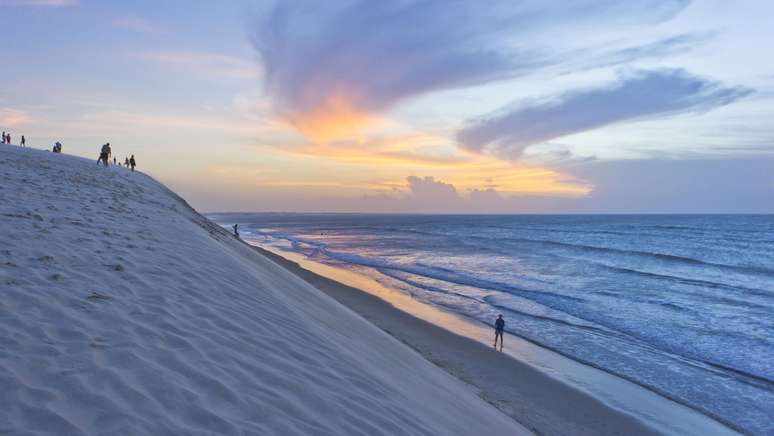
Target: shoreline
[542, 390]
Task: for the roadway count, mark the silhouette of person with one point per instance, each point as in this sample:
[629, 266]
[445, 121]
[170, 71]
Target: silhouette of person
[132, 162]
[499, 328]
[126, 162]
[236, 232]
[104, 154]
[3, 136]
[23, 141]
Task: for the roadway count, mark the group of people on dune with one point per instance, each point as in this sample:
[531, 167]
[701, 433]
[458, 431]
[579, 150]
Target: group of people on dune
[106, 152]
[6, 139]
[104, 155]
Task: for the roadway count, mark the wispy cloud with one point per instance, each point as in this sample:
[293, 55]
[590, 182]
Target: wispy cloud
[14, 118]
[48, 3]
[640, 95]
[207, 64]
[122, 121]
[338, 63]
[135, 24]
[600, 58]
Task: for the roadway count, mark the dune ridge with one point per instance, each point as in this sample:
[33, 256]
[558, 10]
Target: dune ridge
[123, 311]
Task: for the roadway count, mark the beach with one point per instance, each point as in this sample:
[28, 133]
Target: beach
[676, 305]
[539, 399]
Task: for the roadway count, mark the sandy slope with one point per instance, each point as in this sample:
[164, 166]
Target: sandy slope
[122, 311]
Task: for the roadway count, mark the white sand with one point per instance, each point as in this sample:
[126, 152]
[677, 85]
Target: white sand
[122, 311]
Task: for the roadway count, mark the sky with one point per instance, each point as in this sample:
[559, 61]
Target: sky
[408, 106]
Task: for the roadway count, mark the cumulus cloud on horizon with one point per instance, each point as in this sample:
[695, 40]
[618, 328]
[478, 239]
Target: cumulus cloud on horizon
[644, 94]
[340, 62]
[654, 181]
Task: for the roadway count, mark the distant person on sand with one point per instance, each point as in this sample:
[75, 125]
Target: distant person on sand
[132, 162]
[23, 141]
[236, 232]
[3, 137]
[126, 162]
[8, 138]
[499, 328]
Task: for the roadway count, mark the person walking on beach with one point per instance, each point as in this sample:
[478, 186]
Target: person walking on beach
[23, 141]
[126, 162]
[236, 232]
[3, 136]
[132, 162]
[499, 328]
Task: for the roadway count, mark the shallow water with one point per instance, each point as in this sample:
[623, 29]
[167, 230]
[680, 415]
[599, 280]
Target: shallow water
[683, 305]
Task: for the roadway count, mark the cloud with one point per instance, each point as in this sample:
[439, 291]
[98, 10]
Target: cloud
[208, 64]
[630, 186]
[330, 67]
[135, 24]
[431, 193]
[48, 3]
[644, 94]
[121, 123]
[702, 185]
[14, 118]
[588, 59]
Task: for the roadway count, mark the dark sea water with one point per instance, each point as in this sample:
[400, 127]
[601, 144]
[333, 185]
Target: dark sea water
[683, 305]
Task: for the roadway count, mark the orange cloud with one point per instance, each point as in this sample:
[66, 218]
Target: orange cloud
[390, 160]
[338, 118]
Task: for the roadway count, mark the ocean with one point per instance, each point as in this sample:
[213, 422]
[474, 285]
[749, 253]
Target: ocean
[680, 304]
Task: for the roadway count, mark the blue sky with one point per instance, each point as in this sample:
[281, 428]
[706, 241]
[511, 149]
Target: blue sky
[408, 106]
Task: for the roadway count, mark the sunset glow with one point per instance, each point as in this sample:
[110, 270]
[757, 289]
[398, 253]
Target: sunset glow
[344, 105]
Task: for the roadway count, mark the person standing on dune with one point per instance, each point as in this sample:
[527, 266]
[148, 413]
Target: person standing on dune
[104, 154]
[23, 141]
[499, 329]
[132, 162]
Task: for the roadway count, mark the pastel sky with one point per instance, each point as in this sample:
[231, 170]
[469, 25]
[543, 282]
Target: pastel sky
[503, 106]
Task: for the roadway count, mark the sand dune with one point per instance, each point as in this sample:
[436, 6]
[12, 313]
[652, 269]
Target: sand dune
[122, 311]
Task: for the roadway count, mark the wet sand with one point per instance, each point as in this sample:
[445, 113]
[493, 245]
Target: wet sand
[531, 396]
